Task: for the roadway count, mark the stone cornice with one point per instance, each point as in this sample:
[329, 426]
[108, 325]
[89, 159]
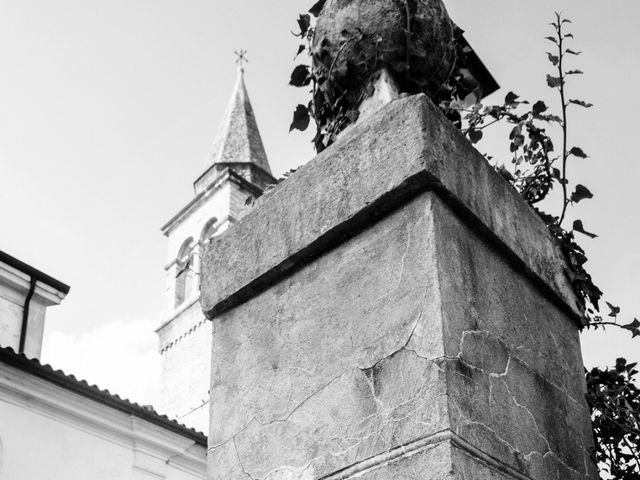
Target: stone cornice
[429, 154]
[28, 270]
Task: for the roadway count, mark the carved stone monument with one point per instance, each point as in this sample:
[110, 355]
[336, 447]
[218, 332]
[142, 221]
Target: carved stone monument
[394, 310]
[413, 39]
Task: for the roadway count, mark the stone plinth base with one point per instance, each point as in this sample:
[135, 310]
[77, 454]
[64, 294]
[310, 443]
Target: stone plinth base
[394, 310]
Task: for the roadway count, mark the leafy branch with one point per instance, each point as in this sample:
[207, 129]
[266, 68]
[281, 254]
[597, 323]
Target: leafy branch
[615, 403]
[329, 107]
[536, 168]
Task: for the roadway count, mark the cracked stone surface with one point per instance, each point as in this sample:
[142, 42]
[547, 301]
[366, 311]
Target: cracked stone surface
[515, 365]
[413, 348]
[290, 363]
[405, 146]
[411, 328]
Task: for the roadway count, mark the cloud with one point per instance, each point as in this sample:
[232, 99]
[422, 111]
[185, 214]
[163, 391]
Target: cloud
[121, 356]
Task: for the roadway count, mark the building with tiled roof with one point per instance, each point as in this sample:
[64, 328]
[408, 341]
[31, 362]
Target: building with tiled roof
[55, 426]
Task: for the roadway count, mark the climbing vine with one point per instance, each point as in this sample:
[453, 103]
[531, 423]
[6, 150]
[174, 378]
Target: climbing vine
[538, 167]
[335, 78]
[615, 405]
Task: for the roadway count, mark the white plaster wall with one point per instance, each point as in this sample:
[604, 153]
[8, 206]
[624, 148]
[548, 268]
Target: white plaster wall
[50, 433]
[38, 446]
[10, 321]
[14, 288]
[11, 309]
[13, 291]
[35, 328]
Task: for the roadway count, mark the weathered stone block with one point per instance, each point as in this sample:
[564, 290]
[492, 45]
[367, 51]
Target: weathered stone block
[394, 310]
[406, 148]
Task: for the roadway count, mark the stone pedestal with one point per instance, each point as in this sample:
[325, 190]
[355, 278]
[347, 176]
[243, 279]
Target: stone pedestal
[394, 311]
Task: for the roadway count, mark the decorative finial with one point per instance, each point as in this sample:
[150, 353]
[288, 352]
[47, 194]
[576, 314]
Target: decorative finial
[242, 59]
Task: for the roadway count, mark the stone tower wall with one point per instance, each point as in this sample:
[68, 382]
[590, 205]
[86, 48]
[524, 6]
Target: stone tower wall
[185, 335]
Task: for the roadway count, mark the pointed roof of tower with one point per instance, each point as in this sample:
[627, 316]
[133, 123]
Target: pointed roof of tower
[238, 139]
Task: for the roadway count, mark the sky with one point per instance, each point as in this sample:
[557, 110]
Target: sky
[108, 109]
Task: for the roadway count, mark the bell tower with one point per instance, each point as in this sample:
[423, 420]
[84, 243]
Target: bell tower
[235, 172]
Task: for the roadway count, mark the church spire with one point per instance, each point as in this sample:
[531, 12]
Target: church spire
[238, 139]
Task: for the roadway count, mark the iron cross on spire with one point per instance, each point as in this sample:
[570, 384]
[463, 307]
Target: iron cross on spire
[242, 59]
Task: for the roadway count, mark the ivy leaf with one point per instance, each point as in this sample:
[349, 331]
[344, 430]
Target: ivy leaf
[554, 59]
[572, 52]
[577, 152]
[539, 107]
[581, 103]
[511, 98]
[304, 22]
[614, 311]
[581, 193]
[301, 49]
[301, 119]
[551, 118]
[552, 39]
[300, 76]
[554, 82]
[475, 135]
[578, 227]
[557, 174]
[317, 7]
[494, 111]
[634, 328]
[518, 140]
[574, 72]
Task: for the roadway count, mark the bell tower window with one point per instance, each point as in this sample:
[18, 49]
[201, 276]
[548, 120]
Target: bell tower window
[185, 273]
[209, 230]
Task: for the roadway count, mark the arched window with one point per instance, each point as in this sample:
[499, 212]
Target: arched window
[209, 230]
[185, 274]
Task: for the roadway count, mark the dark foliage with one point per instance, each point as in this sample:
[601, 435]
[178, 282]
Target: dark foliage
[615, 404]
